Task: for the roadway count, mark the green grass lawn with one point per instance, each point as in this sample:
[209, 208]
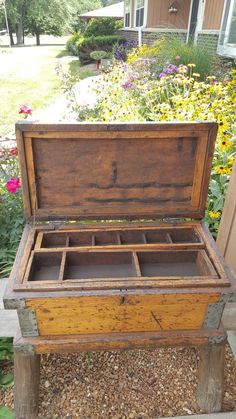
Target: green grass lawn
[28, 76]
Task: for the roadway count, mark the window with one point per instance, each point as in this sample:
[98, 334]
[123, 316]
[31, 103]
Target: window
[227, 39]
[139, 13]
[127, 13]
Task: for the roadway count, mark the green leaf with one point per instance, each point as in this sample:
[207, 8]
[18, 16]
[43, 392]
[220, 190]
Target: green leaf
[6, 413]
[6, 380]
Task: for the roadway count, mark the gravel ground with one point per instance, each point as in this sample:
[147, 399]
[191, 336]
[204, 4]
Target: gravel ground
[126, 384]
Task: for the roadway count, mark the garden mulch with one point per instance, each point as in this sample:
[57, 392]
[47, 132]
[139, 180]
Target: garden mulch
[125, 384]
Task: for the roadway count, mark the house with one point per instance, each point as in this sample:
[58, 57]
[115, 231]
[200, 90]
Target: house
[115, 10]
[205, 22]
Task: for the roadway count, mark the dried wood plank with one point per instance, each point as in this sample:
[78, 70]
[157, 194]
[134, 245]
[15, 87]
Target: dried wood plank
[211, 377]
[26, 384]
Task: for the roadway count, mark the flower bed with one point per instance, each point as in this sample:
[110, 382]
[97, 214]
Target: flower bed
[134, 91]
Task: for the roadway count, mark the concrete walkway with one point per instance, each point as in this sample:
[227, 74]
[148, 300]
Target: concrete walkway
[59, 110]
[228, 415]
[8, 318]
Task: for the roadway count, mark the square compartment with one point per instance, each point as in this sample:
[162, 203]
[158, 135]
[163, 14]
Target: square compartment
[184, 235]
[156, 236]
[99, 265]
[175, 263]
[45, 267]
[56, 239]
[82, 238]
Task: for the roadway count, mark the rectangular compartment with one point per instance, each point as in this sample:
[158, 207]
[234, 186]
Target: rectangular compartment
[54, 239]
[132, 237]
[156, 236]
[82, 238]
[175, 264]
[106, 238]
[45, 267]
[99, 265]
[184, 235]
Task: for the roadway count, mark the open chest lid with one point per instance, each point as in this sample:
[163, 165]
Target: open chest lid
[113, 171]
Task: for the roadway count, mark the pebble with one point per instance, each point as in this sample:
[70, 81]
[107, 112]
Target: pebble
[99, 393]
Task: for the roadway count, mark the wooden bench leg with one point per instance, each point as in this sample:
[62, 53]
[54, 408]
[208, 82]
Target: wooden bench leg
[26, 388]
[211, 376]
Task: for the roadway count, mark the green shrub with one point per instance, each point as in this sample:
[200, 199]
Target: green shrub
[100, 27]
[71, 44]
[178, 52]
[98, 55]
[86, 45]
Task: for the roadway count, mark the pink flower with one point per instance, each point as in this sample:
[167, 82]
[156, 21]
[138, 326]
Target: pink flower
[25, 109]
[13, 184]
[177, 57]
[13, 152]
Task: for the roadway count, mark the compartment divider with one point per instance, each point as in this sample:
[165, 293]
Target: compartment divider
[118, 238]
[136, 264]
[168, 238]
[144, 238]
[29, 266]
[67, 241]
[93, 240]
[62, 267]
[39, 239]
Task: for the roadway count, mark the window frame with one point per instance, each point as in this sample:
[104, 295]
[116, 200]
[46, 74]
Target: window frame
[144, 7]
[127, 12]
[224, 48]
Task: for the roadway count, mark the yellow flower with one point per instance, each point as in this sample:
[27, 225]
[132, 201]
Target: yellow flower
[225, 144]
[191, 65]
[196, 75]
[231, 161]
[220, 169]
[214, 215]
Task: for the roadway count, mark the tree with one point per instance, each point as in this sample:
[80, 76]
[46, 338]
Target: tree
[52, 17]
[84, 6]
[15, 12]
[49, 17]
[109, 2]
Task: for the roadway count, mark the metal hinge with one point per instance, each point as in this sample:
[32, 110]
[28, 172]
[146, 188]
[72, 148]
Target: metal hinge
[213, 315]
[57, 224]
[28, 322]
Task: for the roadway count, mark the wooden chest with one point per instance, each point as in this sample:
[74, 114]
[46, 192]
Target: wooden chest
[144, 262]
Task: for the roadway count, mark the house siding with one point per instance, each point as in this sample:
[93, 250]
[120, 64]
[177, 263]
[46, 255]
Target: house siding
[213, 14]
[208, 41]
[159, 17]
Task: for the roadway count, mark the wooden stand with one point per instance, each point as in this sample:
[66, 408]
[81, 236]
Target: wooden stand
[28, 350]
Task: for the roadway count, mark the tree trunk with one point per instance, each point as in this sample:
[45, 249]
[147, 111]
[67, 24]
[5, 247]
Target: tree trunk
[11, 37]
[37, 38]
[19, 32]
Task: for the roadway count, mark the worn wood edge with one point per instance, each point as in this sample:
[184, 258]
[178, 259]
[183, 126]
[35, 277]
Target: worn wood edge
[101, 126]
[18, 263]
[118, 341]
[24, 176]
[125, 284]
[228, 214]
[230, 293]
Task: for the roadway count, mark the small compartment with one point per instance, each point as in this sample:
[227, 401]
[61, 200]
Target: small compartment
[45, 267]
[175, 263]
[99, 265]
[157, 236]
[106, 238]
[132, 237]
[82, 238]
[184, 235]
[55, 239]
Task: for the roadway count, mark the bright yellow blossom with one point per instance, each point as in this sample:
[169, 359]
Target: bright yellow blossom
[215, 215]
